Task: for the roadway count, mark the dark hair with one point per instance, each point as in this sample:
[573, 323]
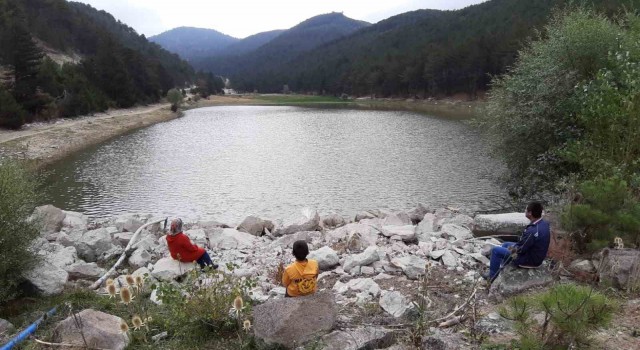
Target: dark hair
[535, 208]
[300, 250]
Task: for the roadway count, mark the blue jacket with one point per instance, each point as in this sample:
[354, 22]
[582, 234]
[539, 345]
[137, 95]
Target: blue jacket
[534, 244]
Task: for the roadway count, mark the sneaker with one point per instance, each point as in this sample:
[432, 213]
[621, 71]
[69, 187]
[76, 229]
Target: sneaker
[486, 276]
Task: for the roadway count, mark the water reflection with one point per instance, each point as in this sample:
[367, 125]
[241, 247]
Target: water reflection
[229, 162]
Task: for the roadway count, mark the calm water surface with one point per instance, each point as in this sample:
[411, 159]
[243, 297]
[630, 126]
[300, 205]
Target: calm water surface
[229, 162]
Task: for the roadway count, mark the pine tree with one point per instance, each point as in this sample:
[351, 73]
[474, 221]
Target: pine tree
[25, 62]
[11, 114]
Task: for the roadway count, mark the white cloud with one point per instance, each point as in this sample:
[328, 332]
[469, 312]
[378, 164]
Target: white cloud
[241, 18]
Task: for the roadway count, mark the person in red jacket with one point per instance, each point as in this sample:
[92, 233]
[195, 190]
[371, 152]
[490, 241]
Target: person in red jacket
[182, 249]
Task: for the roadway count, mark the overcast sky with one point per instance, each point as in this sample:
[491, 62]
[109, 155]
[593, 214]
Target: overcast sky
[241, 18]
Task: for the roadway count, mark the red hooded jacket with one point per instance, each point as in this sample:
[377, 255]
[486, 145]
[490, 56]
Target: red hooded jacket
[181, 244]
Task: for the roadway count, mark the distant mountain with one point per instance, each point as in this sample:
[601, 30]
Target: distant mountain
[424, 52]
[194, 43]
[251, 43]
[284, 47]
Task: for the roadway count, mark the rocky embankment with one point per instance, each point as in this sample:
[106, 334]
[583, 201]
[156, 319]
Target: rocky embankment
[376, 267]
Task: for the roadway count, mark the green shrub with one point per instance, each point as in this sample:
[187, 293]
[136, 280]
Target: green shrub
[202, 304]
[175, 97]
[531, 111]
[18, 199]
[605, 208]
[12, 116]
[570, 314]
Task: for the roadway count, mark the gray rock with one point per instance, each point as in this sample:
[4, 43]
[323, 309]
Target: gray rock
[449, 259]
[309, 223]
[396, 219]
[75, 220]
[368, 256]
[326, 257]
[168, 269]
[411, 265]
[122, 238]
[84, 271]
[140, 258]
[442, 340]
[395, 304]
[364, 215]
[362, 338]
[47, 279]
[129, 223]
[255, 226]
[494, 323]
[100, 330]
[357, 236]
[620, 268]
[456, 231]
[407, 233]
[197, 236]
[292, 322]
[96, 245]
[582, 265]
[58, 254]
[332, 221]
[493, 224]
[460, 220]
[417, 214]
[6, 328]
[229, 238]
[514, 280]
[437, 254]
[366, 285]
[49, 217]
[288, 240]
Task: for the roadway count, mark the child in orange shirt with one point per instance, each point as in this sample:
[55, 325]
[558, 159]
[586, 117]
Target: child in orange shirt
[300, 278]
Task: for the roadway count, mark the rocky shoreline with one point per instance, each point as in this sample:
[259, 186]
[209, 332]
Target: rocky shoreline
[379, 257]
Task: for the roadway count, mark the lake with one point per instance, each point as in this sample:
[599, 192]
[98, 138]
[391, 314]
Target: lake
[272, 161]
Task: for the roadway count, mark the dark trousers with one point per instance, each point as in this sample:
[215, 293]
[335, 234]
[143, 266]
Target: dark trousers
[500, 256]
[204, 260]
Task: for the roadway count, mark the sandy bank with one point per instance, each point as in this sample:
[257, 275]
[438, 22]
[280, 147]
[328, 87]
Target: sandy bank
[44, 143]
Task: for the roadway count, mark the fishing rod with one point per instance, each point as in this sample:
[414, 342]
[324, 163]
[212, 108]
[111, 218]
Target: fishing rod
[28, 331]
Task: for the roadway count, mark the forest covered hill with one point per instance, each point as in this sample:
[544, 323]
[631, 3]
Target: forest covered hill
[118, 67]
[424, 52]
[193, 43]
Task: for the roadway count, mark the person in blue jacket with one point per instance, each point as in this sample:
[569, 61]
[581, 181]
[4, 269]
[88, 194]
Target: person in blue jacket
[531, 249]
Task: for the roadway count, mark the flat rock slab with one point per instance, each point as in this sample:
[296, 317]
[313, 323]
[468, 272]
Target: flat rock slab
[620, 268]
[514, 280]
[100, 330]
[506, 223]
[291, 322]
[358, 339]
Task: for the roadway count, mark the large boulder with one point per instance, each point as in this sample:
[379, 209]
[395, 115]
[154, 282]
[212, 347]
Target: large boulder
[46, 279]
[456, 231]
[407, 233]
[99, 330]
[197, 236]
[288, 240]
[411, 265]
[310, 222]
[58, 254]
[292, 322]
[514, 280]
[255, 226]
[75, 220]
[168, 269]
[395, 219]
[6, 328]
[363, 338]
[367, 257]
[417, 214]
[84, 271]
[495, 224]
[620, 268]
[50, 217]
[140, 258]
[332, 221]
[395, 304]
[361, 285]
[129, 223]
[97, 245]
[228, 238]
[326, 257]
[357, 236]
[427, 228]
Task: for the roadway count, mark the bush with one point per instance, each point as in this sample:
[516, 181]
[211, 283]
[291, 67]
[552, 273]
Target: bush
[18, 199]
[531, 111]
[175, 97]
[203, 303]
[604, 208]
[11, 114]
[571, 314]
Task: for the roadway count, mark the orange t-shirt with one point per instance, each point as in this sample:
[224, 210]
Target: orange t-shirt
[300, 278]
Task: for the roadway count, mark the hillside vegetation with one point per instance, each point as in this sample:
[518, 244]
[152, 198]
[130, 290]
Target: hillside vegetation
[119, 68]
[193, 43]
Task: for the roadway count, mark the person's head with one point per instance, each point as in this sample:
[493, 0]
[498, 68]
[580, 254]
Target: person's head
[176, 226]
[534, 211]
[300, 250]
